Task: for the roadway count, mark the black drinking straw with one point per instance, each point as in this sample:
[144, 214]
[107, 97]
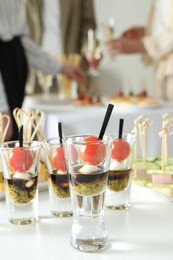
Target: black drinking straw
[106, 120]
[60, 132]
[120, 128]
[20, 136]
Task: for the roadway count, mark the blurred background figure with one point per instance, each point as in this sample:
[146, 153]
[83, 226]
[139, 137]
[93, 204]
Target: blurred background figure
[4, 110]
[155, 43]
[60, 27]
[17, 53]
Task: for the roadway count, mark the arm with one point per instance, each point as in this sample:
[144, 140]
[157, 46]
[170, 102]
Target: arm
[41, 60]
[136, 32]
[125, 46]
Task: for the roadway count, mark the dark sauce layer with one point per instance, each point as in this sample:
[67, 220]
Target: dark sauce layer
[21, 191]
[118, 180]
[89, 183]
[59, 184]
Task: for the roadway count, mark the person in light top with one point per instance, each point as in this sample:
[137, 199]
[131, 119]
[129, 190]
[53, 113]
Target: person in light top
[155, 43]
[17, 53]
[60, 27]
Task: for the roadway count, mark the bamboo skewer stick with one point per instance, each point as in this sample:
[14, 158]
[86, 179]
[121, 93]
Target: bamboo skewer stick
[4, 121]
[141, 127]
[167, 126]
[33, 122]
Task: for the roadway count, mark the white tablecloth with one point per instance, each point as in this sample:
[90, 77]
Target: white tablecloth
[144, 232]
[88, 119]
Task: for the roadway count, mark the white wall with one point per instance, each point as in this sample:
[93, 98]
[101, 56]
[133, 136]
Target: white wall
[118, 72]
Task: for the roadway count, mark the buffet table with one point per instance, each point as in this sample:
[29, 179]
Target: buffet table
[88, 119]
[144, 232]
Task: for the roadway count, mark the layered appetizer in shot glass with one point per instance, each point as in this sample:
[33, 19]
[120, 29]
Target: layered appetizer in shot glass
[88, 159]
[19, 161]
[88, 178]
[58, 178]
[120, 172]
[119, 169]
[21, 183]
[58, 182]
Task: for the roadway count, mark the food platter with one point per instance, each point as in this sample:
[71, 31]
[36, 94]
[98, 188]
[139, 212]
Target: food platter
[132, 103]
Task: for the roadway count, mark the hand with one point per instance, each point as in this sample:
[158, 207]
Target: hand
[124, 46]
[74, 73]
[135, 33]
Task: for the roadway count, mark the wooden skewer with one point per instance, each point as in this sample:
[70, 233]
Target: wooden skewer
[142, 125]
[38, 122]
[4, 121]
[33, 122]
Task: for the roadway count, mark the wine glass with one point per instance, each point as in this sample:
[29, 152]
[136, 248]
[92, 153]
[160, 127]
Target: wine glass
[109, 29]
[45, 82]
[93, 53]
[108, 32]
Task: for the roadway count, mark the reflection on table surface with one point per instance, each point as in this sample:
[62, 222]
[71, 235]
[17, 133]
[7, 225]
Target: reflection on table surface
[142, 232]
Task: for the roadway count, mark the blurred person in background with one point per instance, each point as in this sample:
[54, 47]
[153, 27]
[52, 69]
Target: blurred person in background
[17, 52]
[60, 27]
[4, 110]
[155, 43]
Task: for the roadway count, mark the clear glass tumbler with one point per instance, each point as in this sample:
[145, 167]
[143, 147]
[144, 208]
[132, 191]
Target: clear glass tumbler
[59, 193]
[87, 162]
[120, 172]
[21, 180]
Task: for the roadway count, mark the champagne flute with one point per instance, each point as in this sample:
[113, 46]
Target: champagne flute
[45, 82]
[93, 53]
[109, 29]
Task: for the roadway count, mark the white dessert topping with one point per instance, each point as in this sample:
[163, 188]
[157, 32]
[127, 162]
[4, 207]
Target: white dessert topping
[88, 168]
[62, 172]
[114, 165]
[29, 183]
[21, 175]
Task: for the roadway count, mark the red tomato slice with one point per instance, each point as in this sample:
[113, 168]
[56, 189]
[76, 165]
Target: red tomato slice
[92, 153]
[58, 159]
[120, 149]
[20, 159]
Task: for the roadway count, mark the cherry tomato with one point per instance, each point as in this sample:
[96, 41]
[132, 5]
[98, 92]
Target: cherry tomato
[20, 159]
[58, 159]
[120, 149]
[92, 153]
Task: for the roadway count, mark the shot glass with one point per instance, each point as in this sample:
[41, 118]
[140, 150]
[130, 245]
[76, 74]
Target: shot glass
[87, 162]
[120, 172]
[59, 193]
[2, 187]
[21, 180]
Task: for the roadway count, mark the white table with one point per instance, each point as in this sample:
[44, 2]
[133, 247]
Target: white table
[88, 119]
[144, 232]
